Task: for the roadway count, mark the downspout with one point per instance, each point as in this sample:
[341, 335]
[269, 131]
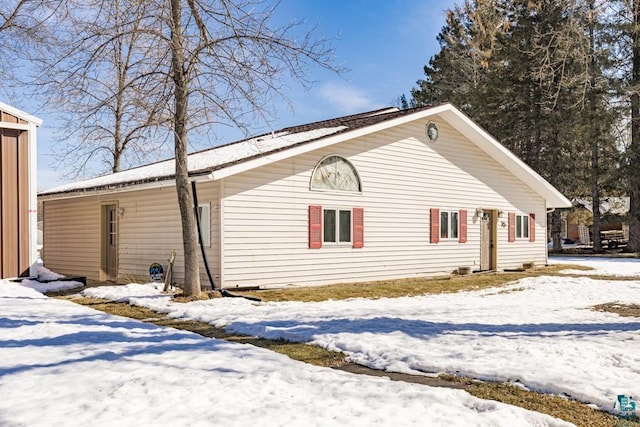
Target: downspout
[223, 292]
[204, 255]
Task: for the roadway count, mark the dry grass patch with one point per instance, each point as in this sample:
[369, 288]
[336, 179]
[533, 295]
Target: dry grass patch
[556, 406]
[111, 307]
[626, 310]
[179, 297]
[298, 351]
[404, 287]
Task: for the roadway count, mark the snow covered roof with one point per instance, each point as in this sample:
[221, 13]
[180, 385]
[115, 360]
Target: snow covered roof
[610, 205]
[230, 159]
[217, 158]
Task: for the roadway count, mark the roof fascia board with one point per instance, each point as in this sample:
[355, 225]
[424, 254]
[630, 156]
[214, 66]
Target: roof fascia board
[121, 188]
[504, 157]
[107, 191]
[324, 142]
[20, 114]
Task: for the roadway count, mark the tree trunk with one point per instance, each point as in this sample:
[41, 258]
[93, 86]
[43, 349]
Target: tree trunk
[595, 137]
[634, 147]
[185, 198]
[595, 197]
[556, 230]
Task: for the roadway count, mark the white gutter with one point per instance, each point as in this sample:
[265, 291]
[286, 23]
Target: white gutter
[124, 188]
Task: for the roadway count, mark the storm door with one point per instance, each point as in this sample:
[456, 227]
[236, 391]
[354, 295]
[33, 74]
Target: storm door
[110, 242]
[487, 241]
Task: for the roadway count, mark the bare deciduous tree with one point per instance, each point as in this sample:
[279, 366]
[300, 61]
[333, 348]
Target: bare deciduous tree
[177, 65]
[93, 69]
[225, 57]
[20, 25]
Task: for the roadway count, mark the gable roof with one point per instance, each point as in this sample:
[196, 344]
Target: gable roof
[230, 159]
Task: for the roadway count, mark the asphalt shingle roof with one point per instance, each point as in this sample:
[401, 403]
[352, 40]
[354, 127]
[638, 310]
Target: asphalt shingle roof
[220, 157]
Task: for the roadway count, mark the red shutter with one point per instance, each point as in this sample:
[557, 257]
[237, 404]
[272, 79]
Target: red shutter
[532, 227]
[315, 227]
[358, 227]
[435, 225]
[462, 217]
[512, 226]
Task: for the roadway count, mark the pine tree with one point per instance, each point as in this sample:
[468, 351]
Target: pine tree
[537, 85]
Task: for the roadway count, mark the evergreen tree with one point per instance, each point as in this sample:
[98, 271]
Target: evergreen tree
[534, 80]
[626, 21]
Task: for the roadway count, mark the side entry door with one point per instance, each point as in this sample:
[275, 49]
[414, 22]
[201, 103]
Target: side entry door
[487, 243]
[110, 242]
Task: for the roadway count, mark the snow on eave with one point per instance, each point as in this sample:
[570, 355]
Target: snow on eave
[236, 156]
[200, 163]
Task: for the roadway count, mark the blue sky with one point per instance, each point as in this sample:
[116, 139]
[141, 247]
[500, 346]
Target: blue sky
[383, 43]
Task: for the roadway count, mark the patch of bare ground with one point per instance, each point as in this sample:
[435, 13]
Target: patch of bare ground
[626, 310]
[556, 406]
[179, 297]
[407, 287]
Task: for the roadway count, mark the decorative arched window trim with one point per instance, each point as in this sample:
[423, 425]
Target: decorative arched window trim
[347, 162]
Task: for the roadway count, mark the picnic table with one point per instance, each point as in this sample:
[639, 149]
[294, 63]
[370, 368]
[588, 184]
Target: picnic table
[613, 238]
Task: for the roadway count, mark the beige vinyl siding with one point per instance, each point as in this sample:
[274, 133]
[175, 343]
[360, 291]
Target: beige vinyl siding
[403, 176]
[149, 228]
[71, 237]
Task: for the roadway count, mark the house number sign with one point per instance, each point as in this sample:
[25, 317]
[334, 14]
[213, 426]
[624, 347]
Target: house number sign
[156, 272]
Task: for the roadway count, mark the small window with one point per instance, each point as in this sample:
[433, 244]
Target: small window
[448, 225]
[336, 226]
[204, 212]
[344, 230]
[522, 226]
[329, 226]
[113, 227]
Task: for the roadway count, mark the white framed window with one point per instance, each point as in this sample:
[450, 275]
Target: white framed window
[522, 226]
[449, 225]
[336, 225]
[204, 212]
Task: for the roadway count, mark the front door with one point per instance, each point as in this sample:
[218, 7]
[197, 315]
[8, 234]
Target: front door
[487, 241]
[110, 242]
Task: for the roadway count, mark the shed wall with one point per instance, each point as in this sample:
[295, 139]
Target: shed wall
[15, 233]
[403, 175]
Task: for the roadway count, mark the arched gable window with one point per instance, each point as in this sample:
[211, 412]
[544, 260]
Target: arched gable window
[334, 173]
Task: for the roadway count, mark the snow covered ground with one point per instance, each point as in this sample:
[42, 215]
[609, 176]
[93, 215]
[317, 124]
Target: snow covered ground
[620, 267]
[539, 332]
[63, 364]
[60, 359]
